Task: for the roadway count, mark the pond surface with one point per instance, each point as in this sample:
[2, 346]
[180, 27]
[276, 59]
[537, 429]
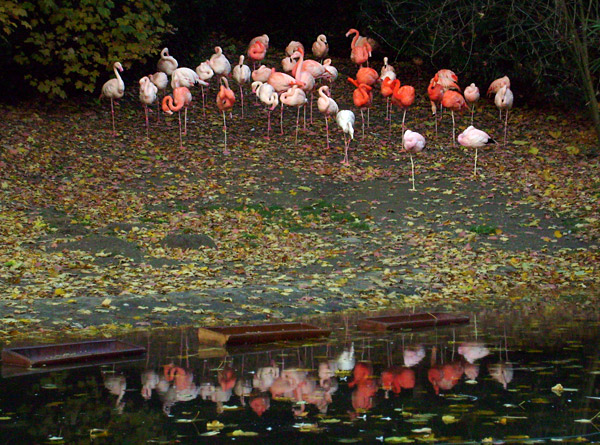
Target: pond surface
[508, 378]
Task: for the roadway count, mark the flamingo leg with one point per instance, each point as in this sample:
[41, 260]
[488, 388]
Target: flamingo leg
[311, 106]
[391, 113]
[304, 117]
[327, 129]
[362, 116]
[112, 112]
[453, 129]
[242, 98]
[203, 101]
[180, 137]
[298, 122]
[368, 118]
[268, 124]
[475, 167]
[412, 170]
[472, 112]
[185, 121]
[403, 119]
[281, 119]
[147, 124]
[225, 151]
[505, 127]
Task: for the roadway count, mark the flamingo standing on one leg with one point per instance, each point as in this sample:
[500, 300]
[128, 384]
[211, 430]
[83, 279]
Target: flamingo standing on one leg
[148, 94]
[403, 97]
[185, 77]
[345, 119]
[161, 81]
[242, 75]
[205, 73]
[362, 97]
[327, 106]
[268, 96]
[454, 101]
[281, 82]
[167, 63]
[257, 48]
[471, 96]
[412, 143]
[304, 79]
[181, 99]
[320, 47]
[114, 89]
[496, 85]
[219, 63]
[225, 101]
[387, 72]
[474, 138]
[294, 97]
[293, 46]
[387, 90]
[331, 73]
[504, 101]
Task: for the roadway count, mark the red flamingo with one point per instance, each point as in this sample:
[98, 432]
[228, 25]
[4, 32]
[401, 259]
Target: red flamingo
[387, 90]
[257, 49]
[114, 89]
[454, 101]
[403, 97]
[225, 101]
[181, 99]
[362, 97]
[360, 48]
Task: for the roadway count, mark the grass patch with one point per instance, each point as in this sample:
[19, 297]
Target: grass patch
[483, 229]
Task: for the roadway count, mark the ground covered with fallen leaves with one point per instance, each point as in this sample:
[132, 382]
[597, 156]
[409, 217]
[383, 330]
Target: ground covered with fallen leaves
[103, 232]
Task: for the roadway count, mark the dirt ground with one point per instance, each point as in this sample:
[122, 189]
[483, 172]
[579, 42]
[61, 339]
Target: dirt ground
[103, 234]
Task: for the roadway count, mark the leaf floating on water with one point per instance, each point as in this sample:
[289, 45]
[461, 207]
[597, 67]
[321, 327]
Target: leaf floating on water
[397, 439]
[241, 433]
[214, 425]
[210, 433]
[583, 420]
[557, 389]
[330, 421]
[98, 432]
[447, 419]
[422, 431]
[49, 386]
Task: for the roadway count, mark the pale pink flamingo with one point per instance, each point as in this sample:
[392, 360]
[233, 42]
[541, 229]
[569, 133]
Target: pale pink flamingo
[242, 75]
[288, 64]
[305, 79]
[294, 97]
[412, 143]
[181, 99]
[185, 77]
[320, 47]
[504, 101]
[387, 70]
[225, 101]
[454, 101]
[268, 96]
[345, 119]
[205, 73]
[497, 84]
[219, 63]
[114, 89]
[261, 74]
[327, 106]
[148, 94]
[293, 46]
[167, 63]
[474, 138]
[360, 48]
[472, 96]
[331, 73]
[281, 82]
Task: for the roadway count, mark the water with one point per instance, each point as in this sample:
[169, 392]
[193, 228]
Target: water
[489, 380]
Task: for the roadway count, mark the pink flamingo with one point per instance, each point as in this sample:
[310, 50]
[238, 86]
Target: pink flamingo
[497, 84]
[181, 99]
[114, 89]
[205, 73]
[294, 97]
[360, 48]
[320, 47]
[327, 106]
[167, 63]
[304, 79]
[504, 101]
[474, 138]
[387, 70]
[412, 143]
[267, 95]
[261, 74]
[185, 77]
[293, 46]
[242, 75]
[472, 96]
[257, 48]
[281, 82]
[148, 93]
[161, 81]
[225, 101]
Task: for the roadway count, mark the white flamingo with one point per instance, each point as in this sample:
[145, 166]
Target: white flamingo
[114, 89]
[268, 96]
[345, 119]
[327, 106]
[241, 74]
[148, 94]
[167, 63]
[205, 73]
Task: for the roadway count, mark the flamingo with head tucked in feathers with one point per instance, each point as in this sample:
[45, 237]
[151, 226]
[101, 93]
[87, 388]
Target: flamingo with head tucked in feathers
[148, 94]
[225, 101]
[454, 101]
[114, 89]
[403, 97]
[268, 96]
[257, 48]
[474, 138]
[412, 143]
[504, 101]
[345, 119]
[161, 81]
[181, 99]
[294, 97]
[293, 46]
[219, 63]
[205, 73]
[472, 96]
[242, 75]
[362, 97]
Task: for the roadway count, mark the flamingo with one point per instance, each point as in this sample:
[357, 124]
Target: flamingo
[345, 119]
[362, 97]
[294, 97]
[472, 137]
[281, 82]
[320, 47]
[403, 97]
[497, 84]
[225, 101]
[293, 46]
[412, 143]
[360, 48]
[367, 75]
[148, 92]
[387, 90]
[114, 89]
[305, 80]
[268, 96]
[219, 63]
[161, 81]
[261, 74]
[185, 77]
[331, 72]
[167, 63]
[387, 70]
[181, 99]
[242, 75]
[288, 64]
[205, 73]
[504, 101]
[257, 48]
[327, 106]
[454, 101]
[472, 96]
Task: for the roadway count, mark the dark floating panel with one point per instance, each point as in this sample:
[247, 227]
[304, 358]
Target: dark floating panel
[259, 333]
[49, 355]
[410, 321]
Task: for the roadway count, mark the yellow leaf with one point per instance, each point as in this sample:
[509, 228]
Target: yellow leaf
[59, 292]
[557, 234]
[449, 419]
[215, 425]
[106, 302]
[534, 150]
[244, 433]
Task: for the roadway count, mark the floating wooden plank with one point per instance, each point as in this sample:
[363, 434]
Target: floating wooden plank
[259, 333]
[410, 321]
[56, 354]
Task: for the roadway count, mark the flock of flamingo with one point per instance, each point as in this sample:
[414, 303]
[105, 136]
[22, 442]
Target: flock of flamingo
[291, 86]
